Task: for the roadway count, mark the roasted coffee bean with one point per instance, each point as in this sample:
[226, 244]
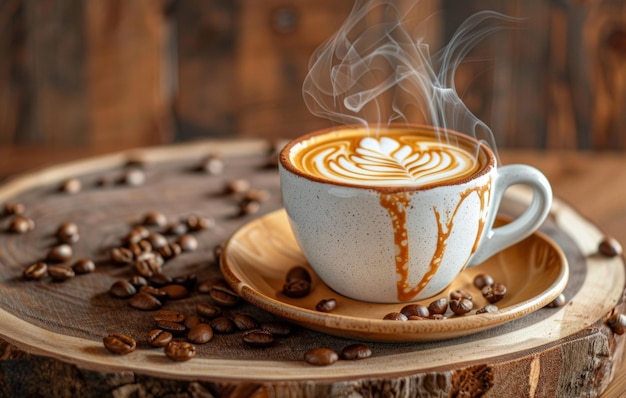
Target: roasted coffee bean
[222, 325]
[487, 309]
[237, 186]
[610, 247]
[298, 273]
[395, 316]
[321, 356]
[245, 322]
[175, 292]
[188, 243]
[200, 334]
[13, 208]
[257, 195]
[494, 293]
[482, 280]
[71, 185]
[208, 311]
[140, 248]
[297, 288]
[133, 177]
[154, 218]
[177, 229]
[59, 253]
[21, 224]
[197, 223]
[84, 266]
[168, 315]
[159, 279]
[557, 302]
[138, 281]
[122, 256]
[68, 232]
[419, 310]
[617, 323]
[461, 306]
[326, 305]
[154, 292]
[189, 281]
[212, 165]
[460, 294]
[180, 351]
[191, 321]
[258, 338]
[439, 306]
[356, 351]
[174, 328]
[148, 267]
[120, 344]
[437, 317]
[248, 207]
[279, 329]
[137, 234]
[205, 286]
[159, 338]
[145, 302]
[417, 317]
[35, 271]
[157, 241]
[169, 251]
[122, 289]
[60, 273]
[224, 296]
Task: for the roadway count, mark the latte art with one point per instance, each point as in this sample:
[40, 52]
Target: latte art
[392, 159]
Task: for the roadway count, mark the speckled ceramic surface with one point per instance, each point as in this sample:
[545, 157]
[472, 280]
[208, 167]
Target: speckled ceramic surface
[258, 256]
[388, 243]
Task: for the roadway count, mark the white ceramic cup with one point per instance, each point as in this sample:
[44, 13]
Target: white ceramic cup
[392, 244]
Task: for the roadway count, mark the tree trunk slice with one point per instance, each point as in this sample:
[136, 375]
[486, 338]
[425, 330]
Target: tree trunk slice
[51, 332]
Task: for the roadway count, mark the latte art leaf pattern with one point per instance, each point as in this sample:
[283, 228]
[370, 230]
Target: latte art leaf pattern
[389, 161]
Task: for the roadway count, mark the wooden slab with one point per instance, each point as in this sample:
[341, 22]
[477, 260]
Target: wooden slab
[51, 333]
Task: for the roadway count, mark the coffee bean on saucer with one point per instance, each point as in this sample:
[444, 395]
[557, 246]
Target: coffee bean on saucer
[395, 316]
[159, 338]
[222, 325]
[617, 323]
[298, 273]
[297, 288]
[610, 247]
[200, 334]
[145, 302]
[122, 289]
[83, 266]
[356, 351]
[418, 310]
[494, 293]
[258, 338]
[35, 271]
[59, 273]
[13, 208]
[180, 351]
[437, 317]
[557, 302]
[321, 356]
[326, 305]
[71, 186]
[120, 344]
[245, 322]
[460, 294]
[154, 218]
[60, 253]
[439, 306]
[487, 309]
[68, 232]
[21, 224]
[461, 306]
[482, 280]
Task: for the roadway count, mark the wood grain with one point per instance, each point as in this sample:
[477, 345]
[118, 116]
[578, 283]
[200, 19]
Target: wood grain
[67, 355]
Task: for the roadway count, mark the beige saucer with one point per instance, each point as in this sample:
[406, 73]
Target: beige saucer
[257, 257]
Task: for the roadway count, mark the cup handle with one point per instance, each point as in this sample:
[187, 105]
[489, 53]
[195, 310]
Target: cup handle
[497, 239]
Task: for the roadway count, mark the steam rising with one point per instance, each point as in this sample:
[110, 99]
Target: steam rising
[378, 74]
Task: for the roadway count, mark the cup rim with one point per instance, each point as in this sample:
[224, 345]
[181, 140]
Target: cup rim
[287, 165]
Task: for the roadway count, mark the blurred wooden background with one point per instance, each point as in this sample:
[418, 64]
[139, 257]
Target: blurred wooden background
[82, 77]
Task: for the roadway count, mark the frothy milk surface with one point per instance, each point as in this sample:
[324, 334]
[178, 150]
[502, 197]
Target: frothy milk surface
[394, 157]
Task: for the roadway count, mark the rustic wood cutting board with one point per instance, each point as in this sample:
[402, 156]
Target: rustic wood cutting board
[51, 332]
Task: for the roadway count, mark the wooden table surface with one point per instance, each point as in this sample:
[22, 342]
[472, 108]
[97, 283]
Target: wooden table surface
[593, 183]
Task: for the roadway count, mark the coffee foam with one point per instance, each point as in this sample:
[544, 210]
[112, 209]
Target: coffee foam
[389, 158]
